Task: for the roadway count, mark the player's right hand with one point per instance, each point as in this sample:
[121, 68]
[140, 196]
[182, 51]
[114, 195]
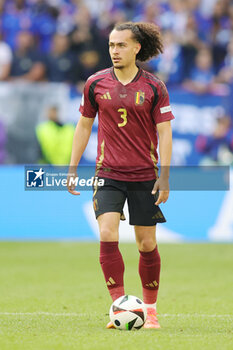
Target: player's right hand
[71, 182]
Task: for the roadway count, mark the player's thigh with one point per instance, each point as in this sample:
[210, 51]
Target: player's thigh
[145, 237]
[109, 226]
[108, 202]
[109, 198]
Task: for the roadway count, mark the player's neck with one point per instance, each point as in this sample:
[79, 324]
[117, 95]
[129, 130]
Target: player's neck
[127, 74]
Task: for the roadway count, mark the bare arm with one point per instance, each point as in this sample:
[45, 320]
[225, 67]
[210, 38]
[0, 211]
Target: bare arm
[81, 138]
[36, 73]
[5, 71]
[165, 152]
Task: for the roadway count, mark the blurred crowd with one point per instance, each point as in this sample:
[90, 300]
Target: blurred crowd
[67, 40]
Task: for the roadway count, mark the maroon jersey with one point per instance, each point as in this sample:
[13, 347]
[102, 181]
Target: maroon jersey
[128, 114]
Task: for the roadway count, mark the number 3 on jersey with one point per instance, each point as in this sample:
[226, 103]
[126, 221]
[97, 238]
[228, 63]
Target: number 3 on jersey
[123, 112]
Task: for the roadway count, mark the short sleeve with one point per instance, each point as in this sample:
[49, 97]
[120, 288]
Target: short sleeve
[88, 107]
[162, 111]
[6, 54]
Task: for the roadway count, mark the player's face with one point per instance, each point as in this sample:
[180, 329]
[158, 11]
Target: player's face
[122, 48]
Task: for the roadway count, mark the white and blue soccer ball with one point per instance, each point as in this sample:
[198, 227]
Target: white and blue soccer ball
[128, 312]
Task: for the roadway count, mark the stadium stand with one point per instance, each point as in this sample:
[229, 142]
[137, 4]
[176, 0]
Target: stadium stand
[64, 41]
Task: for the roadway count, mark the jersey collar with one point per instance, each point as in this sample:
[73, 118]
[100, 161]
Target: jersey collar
[137, 76]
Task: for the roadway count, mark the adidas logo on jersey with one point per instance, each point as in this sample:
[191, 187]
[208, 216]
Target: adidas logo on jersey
[111, 282]
[153, 284]
[106, 96]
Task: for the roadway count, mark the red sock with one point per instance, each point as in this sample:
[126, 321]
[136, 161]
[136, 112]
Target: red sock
[149, 271]
[113, 268]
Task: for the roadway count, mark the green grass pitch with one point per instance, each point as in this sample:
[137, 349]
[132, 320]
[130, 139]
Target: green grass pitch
[53, 297]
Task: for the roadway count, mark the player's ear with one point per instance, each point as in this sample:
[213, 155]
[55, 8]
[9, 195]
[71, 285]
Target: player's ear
[137, 48]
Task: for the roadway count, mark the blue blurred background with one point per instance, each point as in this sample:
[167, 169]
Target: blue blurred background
[48, 48]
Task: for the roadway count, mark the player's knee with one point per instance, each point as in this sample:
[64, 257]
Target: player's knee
[108, 235]
[146, 244]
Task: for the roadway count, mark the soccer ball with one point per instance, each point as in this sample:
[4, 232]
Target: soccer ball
[128, 312]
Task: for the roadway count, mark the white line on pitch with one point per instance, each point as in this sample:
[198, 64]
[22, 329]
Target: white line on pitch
[195, 315]
[73, 314]
[43, 313]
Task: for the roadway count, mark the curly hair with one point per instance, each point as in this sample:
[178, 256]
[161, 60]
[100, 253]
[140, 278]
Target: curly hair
[148, 35]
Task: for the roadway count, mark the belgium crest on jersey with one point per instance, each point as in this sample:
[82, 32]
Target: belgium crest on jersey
[139, 98]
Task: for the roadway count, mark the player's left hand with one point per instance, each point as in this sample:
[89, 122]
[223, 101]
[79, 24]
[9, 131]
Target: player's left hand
[162, 187]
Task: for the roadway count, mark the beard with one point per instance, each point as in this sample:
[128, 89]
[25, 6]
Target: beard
[118, 67]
